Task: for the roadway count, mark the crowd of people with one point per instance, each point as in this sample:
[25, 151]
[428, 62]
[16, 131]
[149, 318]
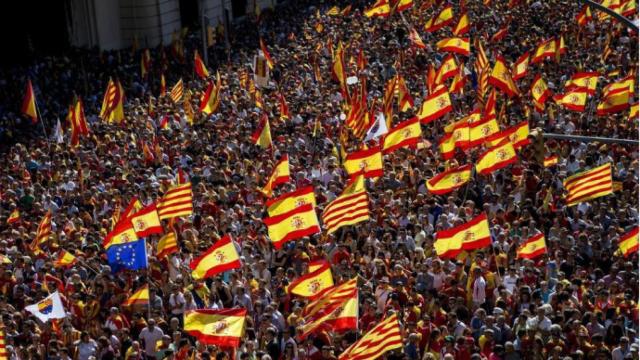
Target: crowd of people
[577, 301]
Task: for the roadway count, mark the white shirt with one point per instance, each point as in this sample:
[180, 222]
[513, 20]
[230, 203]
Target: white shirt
[479, 286]
[509, 282]
[150, 338]
[177, 300]
[534, 323]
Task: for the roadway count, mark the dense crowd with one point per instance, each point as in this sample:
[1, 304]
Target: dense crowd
[577, 301]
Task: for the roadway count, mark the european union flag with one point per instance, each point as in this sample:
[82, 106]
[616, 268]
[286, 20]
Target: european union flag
[131, 255]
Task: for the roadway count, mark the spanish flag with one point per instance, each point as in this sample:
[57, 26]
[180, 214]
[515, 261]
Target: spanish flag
[405, 134]
[367, 162]
[384, 336]
[266, 54]
[294, 224]
[431, 76]
[613, 103]
[550, 161]
[65, 260]
[140, 297]
[338, 67]
[168, 244]
[447, 146]
[532, 248]
[462, 27]
[496, 158]
[199, 66]
[435, 106]
[448, 68]
[29, 103]
[210, 101]
[628, 243]
[334, 11]
[521, 66]
[121, 234]
[588, 185]
[134, 206]
[220, 257]
[584, 16]
[291, 200]
[455, 45]
[283, 107]
[481, 131]
[575, 100]
[539, 92]
[587, 81]
[545, 49]
[336, 309]
[444, 18]
[262, 135]
[501, 78]
[471, 119]
[416, 39]
[517, 134]
[449, 180]
[633, 111]
[472, 235]
[146, 221]
[223, 328]
[279, 175]
[313, 283]
[14, 217]
[500, 34]
[626, 83]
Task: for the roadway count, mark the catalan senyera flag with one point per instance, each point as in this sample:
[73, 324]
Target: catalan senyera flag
[29, 103]
[575, 100]
[539, 92]
[367, 162]
[168, 244]
[628, 8]
[462, 26]
[385, 336]
[633, 111]
[177, 92]
[350, 208]
[112, 109]
[521, 66]
[482, 61]
[140, 297]
[65, 260]
[587, 81]
[628, 243]
[177, 201]
[584, 16]
[405, 134]
[122, 233]
[335, 309]
[299, 222]
[405, 101]
[291, 200]
[199, 67]
[496, 157]
[223, 328]
[262, 135]
[435, 106]
[532, 248]
[613, 103]
[146, 221]
[501, 78]
[544, 50]
[588, 185]
[312, 283]
[14, 217]
[444, 18]
[482, 130]
[266, 54]
[517, 134]
[210, 101]
[78, 122]
[279, 175]
[550, 160]
[472, 235]
[220, 257]
[455, 45]
[44, 231]
[448, 68]
[449, 180]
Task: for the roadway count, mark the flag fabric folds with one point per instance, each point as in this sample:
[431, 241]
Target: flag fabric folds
[367, 162]
[521, 66]
[587, 185]
[177, 201]
[416, 39]
[29, 103]
[14, 217]
[517, 134]
[455, 45]
[501, 78]
[44, 231]
[614, 102]
[146, 221]
[405, 134]
[336, 309]
[575, 100]
[140, 297]
[220, 257]
[199, 66]
[112, 109]
[262, 135]
[294, 224]
[544, 50]
[435, 106]
[266, 54]
[385, 336]
[539, 92]
[48, 309]
[168, 244]
[449, 180]
[350, 208]
[448, 68]
[532, 248]
[587, 81]
[462, 26]
[481, 131]
[216, 327]
[628, 243]
[177, 92]
[210, 101]
[550, 160]
[65, 260]
[122, 233]
[291, 200]
[496, 158]
[312, 283]
[279, 175]
[130, 255]
[437, 22]
[472, 235]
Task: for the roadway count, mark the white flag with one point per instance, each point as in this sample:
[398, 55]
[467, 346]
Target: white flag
[49, 308]
[57, 133]
[378, 128]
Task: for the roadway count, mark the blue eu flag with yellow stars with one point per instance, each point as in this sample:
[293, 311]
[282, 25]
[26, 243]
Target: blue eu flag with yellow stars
[130, 255]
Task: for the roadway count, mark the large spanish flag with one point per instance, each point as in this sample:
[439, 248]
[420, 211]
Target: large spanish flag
[496, 158]
[220, 257]
[539, 92]
[405, 134]
[122, 233]
[472, 235]
[216, 327]
[312, 283]
[613, 103]
[291, 200]
[449, 180]
[299, 222]
[501, 78]
[435, 106]
[587, 81]
[146, 221]
[462, 26]
[532, 248]
[521, 66]
[385, 336]
[481, 131]
[336, 309]
[588, 185]
[455, 45]
[628, 243]
[448, 68]
[575, 100]
[367, 162]
[140, 297]
[29, 103]
[444, 18]
[279, 175]
[380, 8]
[517, 134]
[262, 135]
[545, 49]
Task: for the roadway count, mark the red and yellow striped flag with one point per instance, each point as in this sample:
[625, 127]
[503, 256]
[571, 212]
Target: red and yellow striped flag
[482, 131]
[614, 102]
[294, 224]
[199, 66]
[405, 101]
[351, 207]
[177, 91]
[628, 243]
[78, 122]
[292, 200]
[496, 158]
[501, 78]
[266, 54]
[313, 283]
[177, 201]
[435, 106]
[4, 355]
[43, 232]
[279, 175]
[210, 101]
[448, 68]
[588, 185]
[575, 100]
[455, 45]
[587, 81]
[140, 297]
[539, 92]
[336, 309]
[633, 111]
[584, 16]
[444, 18]
[220, 257]
[14, 217]
[544, 50]
[550, 160]
[462, 26]
[216, 327]
[383, 337]
[416, 39]
[65, 260]
[112, 109]
[262, 135]
[521, 67]
[29, 103]
[405, 134]
[449, 180]
[532, 248]
[168, 244]
[517, 134]
[146, 221]
[469, 236]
